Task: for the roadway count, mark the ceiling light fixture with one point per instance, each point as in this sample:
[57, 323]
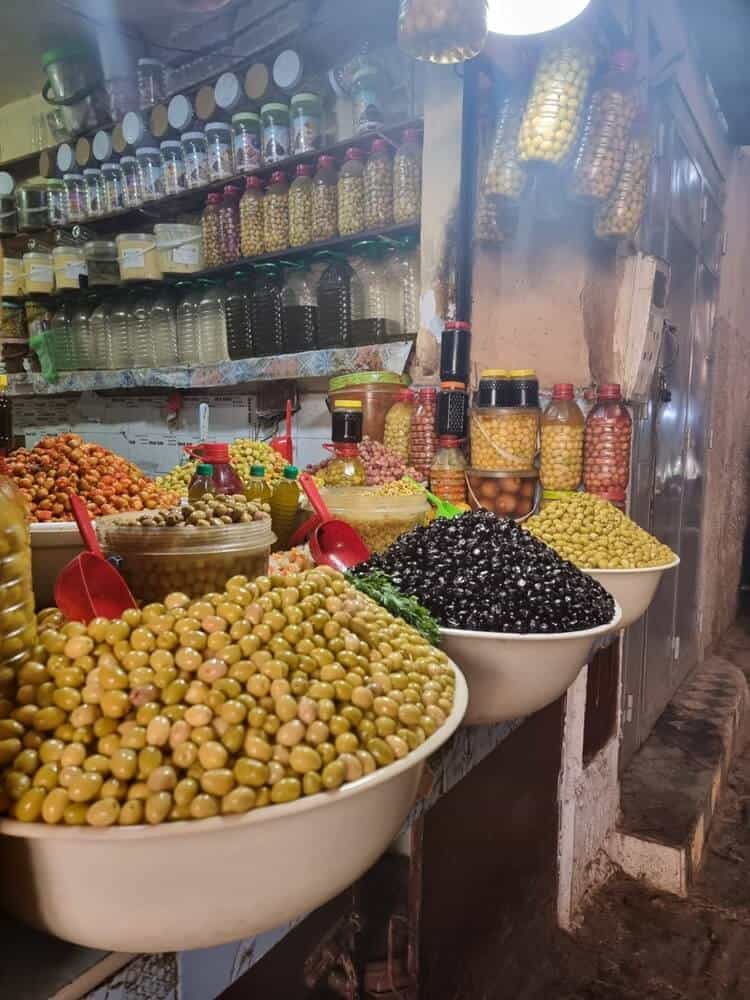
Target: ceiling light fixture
[532, 17]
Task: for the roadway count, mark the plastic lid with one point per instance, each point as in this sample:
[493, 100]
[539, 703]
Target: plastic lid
[562, 390]
[179, 111]
[448, 441]
[256, 81]
[347, 404]
[453, 386]
[53, 182]
[278, 177]
[410, 135]
[204, 469]
[254, 182]
[192, 136]
[232, 192]
[69, 52]
[287, 69]
[291, 472]
[522, 373]
[246, 116]
[65, 157]
[326, 161]
[91, 171]
[214, 198]
[147, 151]
[214, 452]
[258, 470]
[72, 177]
[227, 90]
[457, 324]
[304, 98]
[339, 382]
[217, 126]
[494, 373]
[274, 106]
[102, 145]
[353, 153]
[6, 183]
[110, 166]
[127, 159]
[304, 170]
[132, 127]
[380, 146]
[170, 144]
[145, 61]
[609, 390]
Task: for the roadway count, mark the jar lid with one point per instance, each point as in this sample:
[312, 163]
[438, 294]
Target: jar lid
[133, 128]
[72, 177]
[380, 146]
[171, 144]
[304, 170]
[304, 98]
[151, 62]
[410, 135]
[36, 255]
[159, 120]
[227, 91]
[127, 159]
[609, 390]
[230, 191]
[274, 106]
[457, 324]
[107, 167]
[254, 182]
[256, 81]
[139, 237]
[56, 184]
[287, 69]
[192, 136]
[326, 160]
[522, 373]
[354, 153]
[102, 145]
[347, 404]
[7, 184]
[453, 386]
[147, 151]
[96, 246]
[91, 171]
[205, 103]
[246, 116]
[563, 390]
[179, 111]
[66, 251]
[214, 198]
[339, 382]
[448, 441]
[216, 127]
[494, 373]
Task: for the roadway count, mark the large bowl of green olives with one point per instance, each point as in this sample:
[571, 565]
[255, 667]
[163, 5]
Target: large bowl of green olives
[633, 589]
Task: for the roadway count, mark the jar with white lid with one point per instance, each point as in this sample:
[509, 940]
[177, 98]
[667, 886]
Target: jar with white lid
[114, 188]
[247, 151]
[173, 166]
[94, 181]
[195, 156]
[219, 142]
[132, 190]
[57, 205]
[75, 197]
[138, 257]
[12, 277]
[228, 92]
[180, 112]
[150, 170]
[133, 128]
[69, 265]
[101, 261]
[38, 273]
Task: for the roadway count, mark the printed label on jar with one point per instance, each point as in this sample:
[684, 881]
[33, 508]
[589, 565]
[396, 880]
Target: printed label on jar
[305, 133]
[275, 142]
[187, 255]
[196, 169]
[41, 274]
[74, 270]
[246, 151]
[132, 260]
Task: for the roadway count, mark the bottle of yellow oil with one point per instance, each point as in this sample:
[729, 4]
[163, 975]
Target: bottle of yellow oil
[284, 504]
[258, 489]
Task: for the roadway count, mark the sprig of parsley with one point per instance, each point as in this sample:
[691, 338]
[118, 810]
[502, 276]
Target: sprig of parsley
[378, 586]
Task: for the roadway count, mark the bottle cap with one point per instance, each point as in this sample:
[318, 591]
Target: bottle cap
[254, 182]
[326, 161]
[291, 472]
[562, 390]
[214, 453]
[204, 469]
[453, 386]
[457, 324]
[214, 198]
[347, 404]
[304, 170]
[258, 470]
[380, 146]
[448, 441]
[494, 373]
[278, 177]
[522, 373]
[609, 390]
[410, 135]
[353, 153]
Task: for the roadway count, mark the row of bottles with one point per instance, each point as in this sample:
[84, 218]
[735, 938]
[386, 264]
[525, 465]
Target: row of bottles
[266, 310]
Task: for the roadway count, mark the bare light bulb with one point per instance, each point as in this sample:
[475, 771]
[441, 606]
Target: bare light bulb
[531, 17]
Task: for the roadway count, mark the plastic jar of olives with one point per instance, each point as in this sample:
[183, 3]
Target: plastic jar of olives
[407, 179]
[212, 230]
[505, 423]
[17, 620]
[398, 424]
[324, 200]
[562, 441]
[442, 31]
[252, 242]
[608, 435]
[276, 139]
[448, 472]
[422, 434]
[351, 193]
[300, 207]
[552, 119]
[505, 176]
[379, 186]
[620, 216]
[276, 213]
[606, 131]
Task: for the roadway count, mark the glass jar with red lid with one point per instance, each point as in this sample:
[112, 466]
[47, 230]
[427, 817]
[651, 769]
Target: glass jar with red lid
[607, 440]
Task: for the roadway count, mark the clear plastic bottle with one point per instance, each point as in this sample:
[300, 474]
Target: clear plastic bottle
[100, 334]
[620, 216]
[164, 328]
[17, 619]
[212, 230]
[202, 481]
[220, 143]
[442, 32]
[351, 193]
[118, 341]
[266, 312]
[607, 439]
[407, 179]
[80, 333]
[403, 265]
[95, 194]
[131, 181]
[377, 324]
[276, 213]
[284, 504]
[63, 341]
[300, 207]
[368, 86]
[140, 338]
[229, 225]
[340, 303]
[346, 468]
[300, 304]
[505, 176]
[379, 186]
[188, 348]
[114, 187]
[398, 424]
[448, 471]
[173, 166]
[422, 434]
[258, 488]
[150, 171]
[325, 200]
[237, 299]
[225, 480]
[212, 325]
[252, 242]
[562, 441]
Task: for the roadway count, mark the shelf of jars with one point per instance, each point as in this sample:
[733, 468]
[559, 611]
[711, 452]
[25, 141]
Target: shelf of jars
[288, 367]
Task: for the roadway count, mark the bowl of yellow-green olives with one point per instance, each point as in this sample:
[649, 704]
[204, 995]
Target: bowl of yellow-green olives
[633, 589]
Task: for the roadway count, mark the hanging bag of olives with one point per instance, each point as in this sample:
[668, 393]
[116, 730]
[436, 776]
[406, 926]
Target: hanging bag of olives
[442, 31]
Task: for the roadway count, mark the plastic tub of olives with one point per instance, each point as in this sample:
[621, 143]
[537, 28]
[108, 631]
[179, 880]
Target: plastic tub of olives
[511, 676]
[633, 589]
[201, 883]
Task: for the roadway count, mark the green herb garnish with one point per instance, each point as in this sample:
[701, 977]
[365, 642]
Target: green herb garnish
[378, 586]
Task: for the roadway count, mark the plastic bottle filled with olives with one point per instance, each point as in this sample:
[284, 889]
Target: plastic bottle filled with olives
[505, 176]
[562, 441]
[252, 239]
[621, 215]
[351, 193]
[379, 186]
[442, 31]
[324, 200]
[407, 179]
[17, 621]
[300, 207]
[276, 213]
[552, 119]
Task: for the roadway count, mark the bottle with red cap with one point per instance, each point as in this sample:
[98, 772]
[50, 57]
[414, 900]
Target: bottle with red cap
[351, 193]
[422, 437]
[562, 441]
[448, 471]
[212, 230]
[252, 241]
[300, 207]
[607, 440]
[379, 186]
[276, 213]
[225, 480]
[324, 200]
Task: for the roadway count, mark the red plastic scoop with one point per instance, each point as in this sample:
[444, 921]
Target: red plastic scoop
[90, 587]
[333, 543]
[284, 444]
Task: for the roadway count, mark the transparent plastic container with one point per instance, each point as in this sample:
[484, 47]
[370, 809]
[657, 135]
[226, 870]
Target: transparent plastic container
[403, 265]
[151, 173]
[100, 334]
[173, 167]
[300, 207]
[138, 257]
[247, 141]
[229, 225]
[514, 494]
[17, 620]
[131, 180]
[306, 123]
[224, 479]
[379, 186]
[80, 332]
[276, 132]
[70, 265]
[212, 325]
[607, 440]
[379, 520]
[561, 466]
[266, 312]
[195, 157]
[351, 193]
[194, 561]
[276, 213]
[75, 197]
[220, 147]
[378, 391]
[552, 119]
[151, 82]
[284, 505]
[114, 187]
[38, 273]
[606, 130]
[407, 179]
[101, 262]
[187, 323]
[448, 472]
[252, 241]
[442, 32]
[63, 341]
[164, 328]
[622, 213]
[422, 433]
[378, 322]
[57, 203]
[398, 424]
[340, 303]
[94, 181]
[325, 200]
[237, 299]
[299, 302]
[504, 438]
[118, 354]
[141, 346]
[179, 247]
[367, 90]
[505, 176]
[212, 230]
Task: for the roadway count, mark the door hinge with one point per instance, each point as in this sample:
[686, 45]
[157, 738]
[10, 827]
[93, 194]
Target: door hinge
[629, 708]
[675, 647]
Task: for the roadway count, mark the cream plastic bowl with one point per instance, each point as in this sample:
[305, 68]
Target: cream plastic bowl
[206, 882]
[633, 589]
[510, 675]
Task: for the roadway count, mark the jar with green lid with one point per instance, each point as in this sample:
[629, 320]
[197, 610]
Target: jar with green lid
[247, 148]
[377, 391]
[276, 138]
[307, 121]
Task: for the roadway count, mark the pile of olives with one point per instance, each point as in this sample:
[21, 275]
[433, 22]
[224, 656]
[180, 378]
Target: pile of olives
[208, 511]
[276, 688]
[594, 534]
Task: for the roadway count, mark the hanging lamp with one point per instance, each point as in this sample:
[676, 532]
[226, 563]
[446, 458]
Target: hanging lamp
[531, 17]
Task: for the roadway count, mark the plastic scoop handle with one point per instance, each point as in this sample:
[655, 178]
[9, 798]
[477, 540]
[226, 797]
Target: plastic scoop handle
[83, 520]
[313, 495]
